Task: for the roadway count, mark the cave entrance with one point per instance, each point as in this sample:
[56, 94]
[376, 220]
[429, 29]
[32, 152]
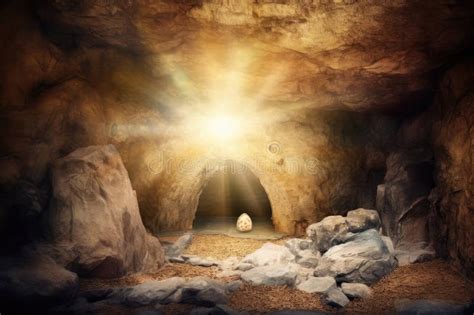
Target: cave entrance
[231, 191]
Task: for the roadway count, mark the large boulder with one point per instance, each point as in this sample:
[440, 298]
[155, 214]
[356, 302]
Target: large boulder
[27, 282]
[328, 232]
[364, 258]
[269, 254]
[94, 213]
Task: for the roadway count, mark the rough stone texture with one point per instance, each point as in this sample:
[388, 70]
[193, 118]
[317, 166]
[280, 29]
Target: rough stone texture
[318, 284]
[36, 281]
[356, 290]
[453, 137]
[296, 245]
[151, 292]
[270, 275]
[123, 72]
[127, 72]
[203, 291]
[269, 254]
[94, 211]
[403, 198]
[336, 298]
[362, 219]
[328, 232]
[204, 262]
[362, 258]
[308, 258]
[198, 290]
[414, 255]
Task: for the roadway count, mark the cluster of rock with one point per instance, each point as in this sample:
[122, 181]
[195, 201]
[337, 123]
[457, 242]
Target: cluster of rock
[92, 228]
[349, 251]
[210, 296]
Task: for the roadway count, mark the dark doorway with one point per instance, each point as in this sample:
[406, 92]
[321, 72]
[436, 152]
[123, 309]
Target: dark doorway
[233, 190]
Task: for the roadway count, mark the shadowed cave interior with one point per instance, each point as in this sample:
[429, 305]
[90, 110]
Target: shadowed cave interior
[134, 134]
[232, 191]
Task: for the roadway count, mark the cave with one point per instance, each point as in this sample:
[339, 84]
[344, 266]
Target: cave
[236, 157]
[231, 191]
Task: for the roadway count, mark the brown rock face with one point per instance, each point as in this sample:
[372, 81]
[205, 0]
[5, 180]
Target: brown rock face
[95, 215]
[312, 83]
[453, 137]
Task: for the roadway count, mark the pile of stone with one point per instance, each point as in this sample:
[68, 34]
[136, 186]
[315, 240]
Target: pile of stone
[339, 259]
[208, 294]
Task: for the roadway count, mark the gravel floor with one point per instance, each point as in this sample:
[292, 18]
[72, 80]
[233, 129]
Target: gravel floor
[430, 280]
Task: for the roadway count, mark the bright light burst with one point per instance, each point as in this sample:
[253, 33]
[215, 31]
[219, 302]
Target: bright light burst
[222, 127]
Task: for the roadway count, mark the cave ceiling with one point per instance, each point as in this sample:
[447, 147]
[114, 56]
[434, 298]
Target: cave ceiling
[326, 54]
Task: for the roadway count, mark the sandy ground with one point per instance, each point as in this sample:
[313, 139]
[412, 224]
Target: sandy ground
[430, 280]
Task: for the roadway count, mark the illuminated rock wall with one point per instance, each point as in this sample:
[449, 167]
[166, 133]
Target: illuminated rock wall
[136, 74]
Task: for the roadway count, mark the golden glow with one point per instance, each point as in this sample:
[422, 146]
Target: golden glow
[222, 127]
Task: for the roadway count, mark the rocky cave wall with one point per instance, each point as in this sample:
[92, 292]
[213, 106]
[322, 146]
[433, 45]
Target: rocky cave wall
[111, 72]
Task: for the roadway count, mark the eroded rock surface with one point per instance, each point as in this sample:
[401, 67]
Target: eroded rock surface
[94, 219]
[362, 258]
[270, 275]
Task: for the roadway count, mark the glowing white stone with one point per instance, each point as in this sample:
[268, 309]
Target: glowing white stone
[244, 223]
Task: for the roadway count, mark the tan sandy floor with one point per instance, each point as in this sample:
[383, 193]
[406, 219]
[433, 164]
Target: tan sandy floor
[431, 280]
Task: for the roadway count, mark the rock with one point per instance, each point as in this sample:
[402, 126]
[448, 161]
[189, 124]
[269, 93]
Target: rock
[97, 294]
[233, 286]
[362, 219]
[328, 232]
[363, 258]
[318, 285]
[203, 262]
[29, 282]
[452, 201]
[150, 292]
[295, 245]
[308, 258]
[414, 255]
[244, 223]
[403, 199]
[356, 290]
[202, 290]
[389, 243]
[336, 298]
[228, 273]
[178, 259]
[270, 275]
[269, 254]
[94, 211]
[244, 266]
[303, 274]
[179, 246]
[428, 307]
[229, 263]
